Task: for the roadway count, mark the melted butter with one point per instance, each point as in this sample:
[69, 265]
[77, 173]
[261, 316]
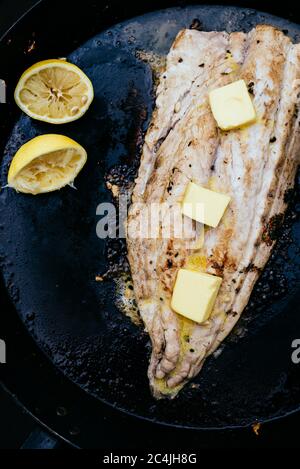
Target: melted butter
[125, 299]
[197, 262]
[156, 62]
[232, 63]
[161, 384]
[260, 120]
[244, 135]
[212, 183]
[186, 327]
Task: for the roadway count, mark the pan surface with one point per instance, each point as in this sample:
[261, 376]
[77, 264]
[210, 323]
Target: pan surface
[50, 253]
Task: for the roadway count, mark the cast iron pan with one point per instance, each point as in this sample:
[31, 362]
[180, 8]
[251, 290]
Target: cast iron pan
[50, 253]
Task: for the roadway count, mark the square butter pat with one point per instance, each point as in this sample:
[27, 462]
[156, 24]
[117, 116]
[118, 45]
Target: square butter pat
[204, 205]
[231, 105]
[195, 294]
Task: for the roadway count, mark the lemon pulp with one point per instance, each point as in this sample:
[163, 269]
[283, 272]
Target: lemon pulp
[46, 163]
[54, 91]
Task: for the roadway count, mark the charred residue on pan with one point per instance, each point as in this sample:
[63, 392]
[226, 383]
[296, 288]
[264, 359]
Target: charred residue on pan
[157, 63]
[120, 178]
[272, 229]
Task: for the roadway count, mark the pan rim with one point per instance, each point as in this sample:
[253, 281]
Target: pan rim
[90, 393]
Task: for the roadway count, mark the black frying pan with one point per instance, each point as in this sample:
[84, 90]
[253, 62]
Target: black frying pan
[50, 253]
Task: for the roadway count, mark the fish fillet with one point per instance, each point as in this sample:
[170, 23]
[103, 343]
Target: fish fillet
[254, 165]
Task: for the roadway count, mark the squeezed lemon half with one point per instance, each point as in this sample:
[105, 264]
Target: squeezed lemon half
[45, 164]
[54, 91]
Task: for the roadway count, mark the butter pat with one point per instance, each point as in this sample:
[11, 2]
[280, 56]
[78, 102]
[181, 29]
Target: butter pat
[231, 105]
[195, 294]
[204, 205]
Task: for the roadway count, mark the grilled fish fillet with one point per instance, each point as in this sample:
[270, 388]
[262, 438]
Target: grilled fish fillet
[254, 165]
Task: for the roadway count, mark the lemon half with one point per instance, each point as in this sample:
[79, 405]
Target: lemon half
[54, 91]
[45, 164]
